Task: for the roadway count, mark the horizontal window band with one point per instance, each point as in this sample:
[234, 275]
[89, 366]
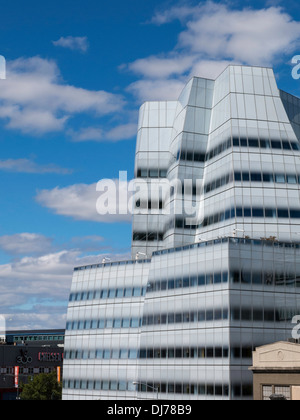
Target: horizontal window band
[107, 294]
[163, 387]
[202, 157]
[148, 236]
[153, 353]
[151, 173]
[198, 316]
[248, 212]
[207, 279]
[192, 156]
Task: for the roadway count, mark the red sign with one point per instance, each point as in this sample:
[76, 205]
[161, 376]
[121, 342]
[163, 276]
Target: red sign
[50, 357]
[17, 371]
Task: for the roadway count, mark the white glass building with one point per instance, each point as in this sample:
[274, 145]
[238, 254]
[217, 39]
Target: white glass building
[218, 226]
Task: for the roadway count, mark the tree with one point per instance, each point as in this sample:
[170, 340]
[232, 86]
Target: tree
[43, 387]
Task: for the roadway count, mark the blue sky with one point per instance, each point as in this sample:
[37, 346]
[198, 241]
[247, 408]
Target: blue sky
[77, 72]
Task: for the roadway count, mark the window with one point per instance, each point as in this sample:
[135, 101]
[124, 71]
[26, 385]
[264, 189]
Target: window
[271, 213]
[126, 323]
[123, 354]
[111, 293]
[106, 354]
[256, 177]
[236, 142]
[136, 291]
[291, 179]
[109, 323]
[122, 386]
[253, 143]
[163, 173]
[104, 294]
[295, 214]
[153, 173]
[97, 294]
[267, 391]
[283, 390]
[135, 323]
[120, 293]
[239, 212]
[256, 212]
[97, 385]
[91, 295]
[268, 178]
[263, 144]
[105, 385]
[237, 176]
[143, 173]
[247, 212]
[117, 323]
[280, 178]
[101, 324]
[283, 213]
[87, 325]
[258, 315]
[246, 176]
[286, 145]
[295, 146]
[276, 144]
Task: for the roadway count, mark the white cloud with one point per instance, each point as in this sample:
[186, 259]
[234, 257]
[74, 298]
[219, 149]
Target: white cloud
[120, 132]
[157, 89]
[254, 37]
[35, 100]
[31, 167]
[162, 67]
[34, 290]
[73, 43]
[25, 243]
[47, 276]
[79, 201]
[213, 36]
[181, 13]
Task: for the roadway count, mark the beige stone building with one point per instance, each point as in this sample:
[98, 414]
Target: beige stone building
[276, 371]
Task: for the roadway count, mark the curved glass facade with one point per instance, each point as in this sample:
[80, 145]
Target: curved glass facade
[216, 282]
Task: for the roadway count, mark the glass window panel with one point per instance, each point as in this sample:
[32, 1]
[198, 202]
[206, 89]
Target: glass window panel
[137, 291]
[257, 212]
[280, 178]
[117, 323]
[120, 293]
[105, 385]
[253, 143]
[271, 213]
[244, 142]
[106, 354]
[283, 213]
[291, 179]
[276, 144]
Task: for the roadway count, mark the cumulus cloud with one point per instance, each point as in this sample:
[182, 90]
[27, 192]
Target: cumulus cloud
[157, 89]
[30, 167]
[98, 134]
[34, 289]
[25, 243]
[213, 36]
[34, 99]
[81, 202]
[254, 37]
[79, 43]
